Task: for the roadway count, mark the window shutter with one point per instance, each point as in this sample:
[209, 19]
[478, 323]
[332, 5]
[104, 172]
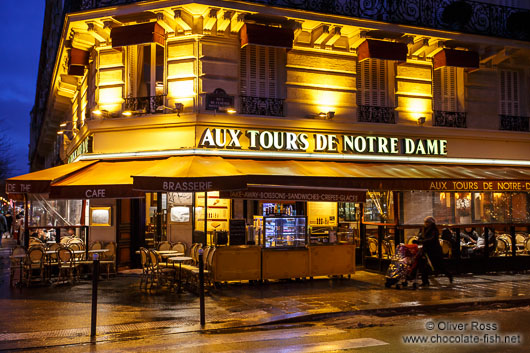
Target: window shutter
[445, 92]
[259, 72]
[371, 83]
[509, 93]
[132, 74]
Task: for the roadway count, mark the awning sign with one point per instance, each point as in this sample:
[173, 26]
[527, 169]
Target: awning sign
[482, 185]
[294, 194]
[188, 184]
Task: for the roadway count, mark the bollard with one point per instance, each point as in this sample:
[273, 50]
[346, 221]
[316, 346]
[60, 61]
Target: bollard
[201, 288]
[95, 277]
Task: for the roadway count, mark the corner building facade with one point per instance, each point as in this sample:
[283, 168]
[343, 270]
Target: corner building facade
[305, 138]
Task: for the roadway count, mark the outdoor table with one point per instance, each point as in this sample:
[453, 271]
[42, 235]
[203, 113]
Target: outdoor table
[180, 260]
[20, 256]
[49, 258]
[172, 254]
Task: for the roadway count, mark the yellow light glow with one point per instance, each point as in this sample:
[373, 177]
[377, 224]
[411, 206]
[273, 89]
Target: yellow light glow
[231, 111]
[63, 124]
[181, 89]
[60, 132]
[96, 112]
[497, 195]
[126, 113]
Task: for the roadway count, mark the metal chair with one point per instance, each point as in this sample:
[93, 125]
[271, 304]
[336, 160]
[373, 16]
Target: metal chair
[109, 258]
[34, 263]
[159, 274]
[67, 264]
[144, 261]
[16, 263]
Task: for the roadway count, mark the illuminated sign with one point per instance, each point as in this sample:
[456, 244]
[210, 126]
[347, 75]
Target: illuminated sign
[317, 142]
[83, 148]
[482, 185]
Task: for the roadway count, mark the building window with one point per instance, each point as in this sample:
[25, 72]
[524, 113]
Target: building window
[261, 80]
[509, 93]
[446, 106]
[145, 72]
[373, 92]
[511, 115]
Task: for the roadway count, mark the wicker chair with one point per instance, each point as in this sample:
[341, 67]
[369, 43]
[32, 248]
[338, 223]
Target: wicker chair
[67, 264]
[16, 264]
[34, 263]
[109, 258]
[180, 247]
[144, 260]
[165, 245]
[158, 273]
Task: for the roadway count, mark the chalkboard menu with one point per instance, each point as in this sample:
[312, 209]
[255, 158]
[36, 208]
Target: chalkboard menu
[237, 231]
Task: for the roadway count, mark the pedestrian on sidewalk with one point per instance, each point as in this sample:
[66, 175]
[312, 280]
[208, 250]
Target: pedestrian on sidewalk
[432, 248]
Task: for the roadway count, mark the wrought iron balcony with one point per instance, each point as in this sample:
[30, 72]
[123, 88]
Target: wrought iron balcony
[463, 16]
[261, 106]
[375, 114]
[514, 123]
[145, 105]
[450, 119]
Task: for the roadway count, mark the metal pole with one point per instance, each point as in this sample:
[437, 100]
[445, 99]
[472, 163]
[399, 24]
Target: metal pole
[201, 288]
[95, 277]
[26, 221]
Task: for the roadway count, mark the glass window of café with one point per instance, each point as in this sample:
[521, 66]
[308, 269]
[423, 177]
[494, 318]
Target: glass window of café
[379, 221]
[473, 214]
[47, 217]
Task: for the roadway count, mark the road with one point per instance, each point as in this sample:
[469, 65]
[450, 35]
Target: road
[353, 333]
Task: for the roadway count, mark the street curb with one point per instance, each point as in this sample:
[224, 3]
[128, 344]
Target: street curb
[442, 306]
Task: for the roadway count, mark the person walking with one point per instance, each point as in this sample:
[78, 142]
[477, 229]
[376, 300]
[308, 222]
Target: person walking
[3, 225]
[433, 250]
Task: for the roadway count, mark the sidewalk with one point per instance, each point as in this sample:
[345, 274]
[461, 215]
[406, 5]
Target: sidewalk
[59, 315]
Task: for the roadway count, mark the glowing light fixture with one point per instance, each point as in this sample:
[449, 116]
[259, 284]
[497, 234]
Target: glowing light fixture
[421, 120]
[127, 113]
[322, 115]
[231, 110]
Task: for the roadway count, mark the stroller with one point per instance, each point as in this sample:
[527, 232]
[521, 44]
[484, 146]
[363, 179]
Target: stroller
[404, 266]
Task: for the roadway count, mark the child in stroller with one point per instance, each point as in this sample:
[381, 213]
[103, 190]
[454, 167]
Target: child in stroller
[404, 266]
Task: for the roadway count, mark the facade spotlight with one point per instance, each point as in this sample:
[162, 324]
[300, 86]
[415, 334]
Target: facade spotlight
[127, 113]
[179, 107]
[421, 120]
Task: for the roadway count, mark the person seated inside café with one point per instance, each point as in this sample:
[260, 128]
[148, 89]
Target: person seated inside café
[469, 235]
[478, 249]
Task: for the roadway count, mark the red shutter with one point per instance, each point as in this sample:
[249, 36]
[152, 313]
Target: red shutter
[457, 58]
[266, 36]
[381, 49]
[150, 32]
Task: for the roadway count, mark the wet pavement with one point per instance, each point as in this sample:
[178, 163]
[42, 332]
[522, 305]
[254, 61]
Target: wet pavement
[60, 314]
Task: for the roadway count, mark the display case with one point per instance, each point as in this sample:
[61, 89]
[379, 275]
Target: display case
[289, 231]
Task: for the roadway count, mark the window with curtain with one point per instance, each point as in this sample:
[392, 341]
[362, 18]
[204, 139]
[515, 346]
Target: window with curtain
[145, 70]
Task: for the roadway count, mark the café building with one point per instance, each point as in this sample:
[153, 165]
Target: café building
[299, 143]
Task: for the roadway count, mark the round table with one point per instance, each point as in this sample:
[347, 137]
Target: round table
[180, 260]
[98, 251]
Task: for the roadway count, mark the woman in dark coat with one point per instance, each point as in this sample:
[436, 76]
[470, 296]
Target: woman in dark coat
[433, 250]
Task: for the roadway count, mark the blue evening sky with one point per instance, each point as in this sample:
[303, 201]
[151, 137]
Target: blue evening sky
[21, 32]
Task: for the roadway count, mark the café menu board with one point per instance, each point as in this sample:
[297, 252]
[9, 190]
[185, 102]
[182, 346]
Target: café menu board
[237, 229]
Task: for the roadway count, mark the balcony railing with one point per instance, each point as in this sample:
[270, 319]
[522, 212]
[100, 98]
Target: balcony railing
[375, 114]
[261, 106]
[144, 105]
[514, 123]
[465, 16]
[450, 119]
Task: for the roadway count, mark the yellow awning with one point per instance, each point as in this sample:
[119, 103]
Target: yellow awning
[191, 174]
[104, 179]
[39, 182]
